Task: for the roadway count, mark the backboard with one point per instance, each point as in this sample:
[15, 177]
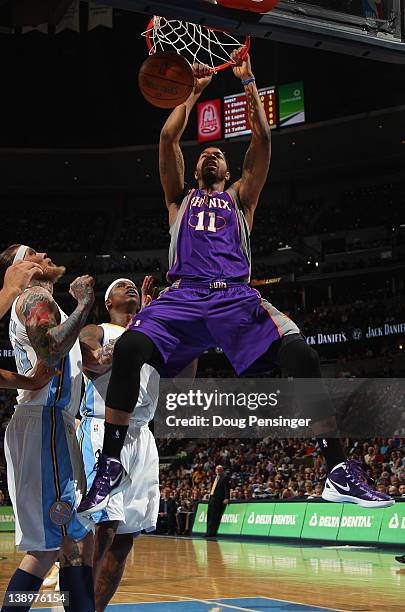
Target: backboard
[374, 29]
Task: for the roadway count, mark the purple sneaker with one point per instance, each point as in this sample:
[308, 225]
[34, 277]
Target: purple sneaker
[107, 482]
[347, 483]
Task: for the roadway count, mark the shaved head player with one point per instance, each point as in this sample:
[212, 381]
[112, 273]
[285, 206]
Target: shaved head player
[210, 303]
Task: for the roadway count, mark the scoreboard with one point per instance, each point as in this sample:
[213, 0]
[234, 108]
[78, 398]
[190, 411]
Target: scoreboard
[236, 119]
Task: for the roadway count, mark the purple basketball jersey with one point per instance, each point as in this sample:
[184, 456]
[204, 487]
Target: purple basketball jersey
[209, 239]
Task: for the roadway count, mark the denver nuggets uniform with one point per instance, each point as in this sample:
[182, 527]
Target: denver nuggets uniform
[44, 464]
[137, 506]
[210, 303]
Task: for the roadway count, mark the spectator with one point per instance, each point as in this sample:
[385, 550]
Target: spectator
[167, 514]
[198, 475]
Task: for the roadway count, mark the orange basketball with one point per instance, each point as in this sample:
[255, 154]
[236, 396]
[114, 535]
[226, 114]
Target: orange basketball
[166, 79]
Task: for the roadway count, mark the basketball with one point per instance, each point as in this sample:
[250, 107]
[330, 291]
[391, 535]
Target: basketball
[166, 79]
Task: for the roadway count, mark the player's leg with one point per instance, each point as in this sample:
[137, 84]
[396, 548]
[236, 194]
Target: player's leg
[301, 361]
[75, 534]
[111, 569]
[76, 573]
[104, 537]
[346, 481]
[32, 499]
[131, 352]
[140, 504]
[29, 576]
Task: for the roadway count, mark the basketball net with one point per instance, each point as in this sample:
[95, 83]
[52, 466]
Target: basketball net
[197, 43]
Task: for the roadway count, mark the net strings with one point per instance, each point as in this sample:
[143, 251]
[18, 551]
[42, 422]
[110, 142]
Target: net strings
[201, 44]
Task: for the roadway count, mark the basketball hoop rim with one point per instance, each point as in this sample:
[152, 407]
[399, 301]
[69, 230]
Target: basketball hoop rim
[246, 44]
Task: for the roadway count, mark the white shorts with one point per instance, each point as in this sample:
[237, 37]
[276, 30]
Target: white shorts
[137, 506]
[46, 477]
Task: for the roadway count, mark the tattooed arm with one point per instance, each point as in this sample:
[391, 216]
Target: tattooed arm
[50, 338]
[171, 161]
[97, 359]
[257, 160]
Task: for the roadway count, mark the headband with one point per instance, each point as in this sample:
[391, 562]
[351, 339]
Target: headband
[118, 280]
[20, 254]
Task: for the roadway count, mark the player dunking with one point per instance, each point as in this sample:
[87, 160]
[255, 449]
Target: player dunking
[43, 456]
[134, 509]
[210, 302]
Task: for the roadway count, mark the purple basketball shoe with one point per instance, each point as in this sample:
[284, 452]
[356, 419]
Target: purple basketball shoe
[108, 481]
[347, 483]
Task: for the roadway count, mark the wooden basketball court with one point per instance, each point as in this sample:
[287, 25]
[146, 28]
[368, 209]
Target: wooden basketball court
[195, 575]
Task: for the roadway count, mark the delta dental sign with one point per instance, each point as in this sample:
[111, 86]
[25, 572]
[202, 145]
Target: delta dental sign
[356, 334]
[310, 520]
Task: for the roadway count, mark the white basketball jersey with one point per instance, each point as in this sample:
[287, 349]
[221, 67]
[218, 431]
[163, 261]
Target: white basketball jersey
[63, 391]
[93, 402]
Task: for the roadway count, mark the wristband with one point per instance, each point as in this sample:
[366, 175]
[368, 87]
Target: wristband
[247, 81]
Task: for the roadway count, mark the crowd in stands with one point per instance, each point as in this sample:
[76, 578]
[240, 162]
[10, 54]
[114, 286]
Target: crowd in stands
[365, 206]
[113, 264]
[372, 312]
[57, 228]
[143, 231]
[107, 240]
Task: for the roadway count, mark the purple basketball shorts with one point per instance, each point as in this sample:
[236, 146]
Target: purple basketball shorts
[187, 320]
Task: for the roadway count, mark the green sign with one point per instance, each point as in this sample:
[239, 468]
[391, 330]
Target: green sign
[322, 521]
[232, 519]
[258, 519]
[7, 520]
[200, 520]
[287, 520]
[393, 524]
[291, 103]
[359, 524]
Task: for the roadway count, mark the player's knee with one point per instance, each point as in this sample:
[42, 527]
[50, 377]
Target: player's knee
[302, 361]
[74, 554]
[39, 563]
[126, 350]
[122, 546]
[105, 534]
[312, 364]
[133, 350]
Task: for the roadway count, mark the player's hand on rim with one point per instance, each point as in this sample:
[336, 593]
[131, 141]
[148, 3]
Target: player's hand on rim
[203, 77]
[242, 67]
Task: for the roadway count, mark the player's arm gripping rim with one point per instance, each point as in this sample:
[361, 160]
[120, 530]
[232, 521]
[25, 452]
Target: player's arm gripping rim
[171, 161]
[50, 338]
[257, 159]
